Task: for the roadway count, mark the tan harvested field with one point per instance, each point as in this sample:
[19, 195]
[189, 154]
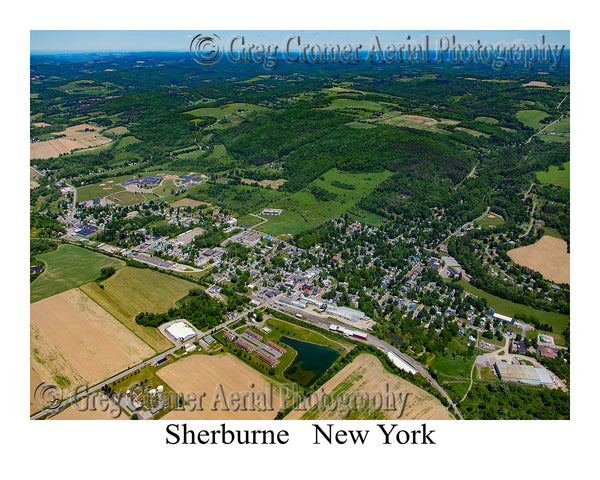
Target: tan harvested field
[204, 373]
[41, 124]
[366, 374]
[275, 184]
[536, 83]
[75, 138]
[33, 184]
[548, 256]
[188, 202]
[73, 340]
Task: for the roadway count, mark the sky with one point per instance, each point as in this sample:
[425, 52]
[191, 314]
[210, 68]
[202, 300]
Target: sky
[75, 41]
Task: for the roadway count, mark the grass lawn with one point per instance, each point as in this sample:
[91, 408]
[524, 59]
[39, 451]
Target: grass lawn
[282, 328]
[559, 338]
[348, 103]
[132, 290]
[128, 140]
[68, 267]
[556, 176]
[102, 188]
[165, 188]
[558, 321]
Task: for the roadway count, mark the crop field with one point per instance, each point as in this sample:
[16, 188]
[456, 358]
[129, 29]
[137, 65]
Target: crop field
[548, 256]
[558, 321]
[366, 374]
[555, 176]
[132, 290]
[104, 410]
[75, 138]
[204, 373]
[73, 340]
[67, 267]
[120, 130]
[531, 118]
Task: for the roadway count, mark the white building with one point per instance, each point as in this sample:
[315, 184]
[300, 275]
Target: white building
[181, 331]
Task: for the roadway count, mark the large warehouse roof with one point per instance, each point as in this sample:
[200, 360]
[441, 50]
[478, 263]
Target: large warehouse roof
[181, 331]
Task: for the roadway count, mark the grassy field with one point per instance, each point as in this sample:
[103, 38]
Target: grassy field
[224, 110]
[558, 321]
[352, 104]
[102, 188]
[67, 267]
[165, 188]
[556, 176]
[133, 290]
[488, 120]
[303, 210]
[531, 118]
[126, 141]
[361, 125]
[490, 222]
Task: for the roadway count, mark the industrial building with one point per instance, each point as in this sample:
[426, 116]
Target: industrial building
[523, 373]
[401, 364]
[181, 331]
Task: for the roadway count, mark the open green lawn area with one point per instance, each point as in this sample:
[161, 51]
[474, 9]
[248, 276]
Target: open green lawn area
[165, 188]
[559, 338]
[556, 176]
[558, 321]
[68, 267]
[224, 110]
[531, 118]
[132, 290]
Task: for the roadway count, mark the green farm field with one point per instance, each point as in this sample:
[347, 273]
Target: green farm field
[556, 176]
[132, 290]
[68, 267]
[531, 118]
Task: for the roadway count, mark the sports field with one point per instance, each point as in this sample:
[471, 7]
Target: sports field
[127, 198]
[548, 256]
[490, 220]
[366, 374]
[132, 290]
[208, 374]
[74, 341]
[67, 267]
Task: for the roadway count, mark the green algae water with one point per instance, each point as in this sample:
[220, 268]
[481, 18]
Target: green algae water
[311, 362]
